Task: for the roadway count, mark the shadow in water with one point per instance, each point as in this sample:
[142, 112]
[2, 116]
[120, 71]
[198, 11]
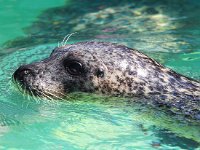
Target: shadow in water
[168, 138]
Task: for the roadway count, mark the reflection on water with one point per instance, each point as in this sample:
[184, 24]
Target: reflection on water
[150, 26]
[83, 120]
[166, 31]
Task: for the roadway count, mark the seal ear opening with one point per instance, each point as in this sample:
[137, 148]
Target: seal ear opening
[100, 73]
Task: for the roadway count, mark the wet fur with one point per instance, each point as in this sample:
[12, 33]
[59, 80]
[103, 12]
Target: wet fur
[124, 72]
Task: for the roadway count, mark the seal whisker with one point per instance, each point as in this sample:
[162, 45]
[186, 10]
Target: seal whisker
[34, 97]
[62, 43]
[58, 44]
[112, 69]
[42, 93]
[53, 95]
[65, 39]
[47, 96]
[63, 95]
[65, 42]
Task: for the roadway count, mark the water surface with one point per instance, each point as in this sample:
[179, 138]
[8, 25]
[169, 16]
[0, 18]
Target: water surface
[166, 31]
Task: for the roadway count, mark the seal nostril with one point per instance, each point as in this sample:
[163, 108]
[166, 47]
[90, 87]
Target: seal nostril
[26, 72]
[21, 73]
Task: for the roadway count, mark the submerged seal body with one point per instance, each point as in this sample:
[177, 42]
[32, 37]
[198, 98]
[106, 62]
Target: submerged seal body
[109, 69]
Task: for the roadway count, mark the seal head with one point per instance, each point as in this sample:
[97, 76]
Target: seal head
[110, 69]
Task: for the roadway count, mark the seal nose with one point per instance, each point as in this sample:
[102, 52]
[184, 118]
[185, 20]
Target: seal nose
[22, 72]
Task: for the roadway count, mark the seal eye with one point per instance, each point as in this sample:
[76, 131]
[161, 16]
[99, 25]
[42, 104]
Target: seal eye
[74, 67]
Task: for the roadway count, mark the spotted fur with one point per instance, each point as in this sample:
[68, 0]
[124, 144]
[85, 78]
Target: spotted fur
[115, 70]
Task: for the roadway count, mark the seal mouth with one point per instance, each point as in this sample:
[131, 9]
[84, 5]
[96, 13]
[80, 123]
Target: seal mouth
[21, 78]
[27, 89]
[24, 80]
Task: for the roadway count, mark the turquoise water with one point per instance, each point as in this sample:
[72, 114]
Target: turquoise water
[167, 32]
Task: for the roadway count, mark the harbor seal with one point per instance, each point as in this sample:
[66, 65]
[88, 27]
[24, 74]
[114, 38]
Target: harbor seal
[110, 69]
